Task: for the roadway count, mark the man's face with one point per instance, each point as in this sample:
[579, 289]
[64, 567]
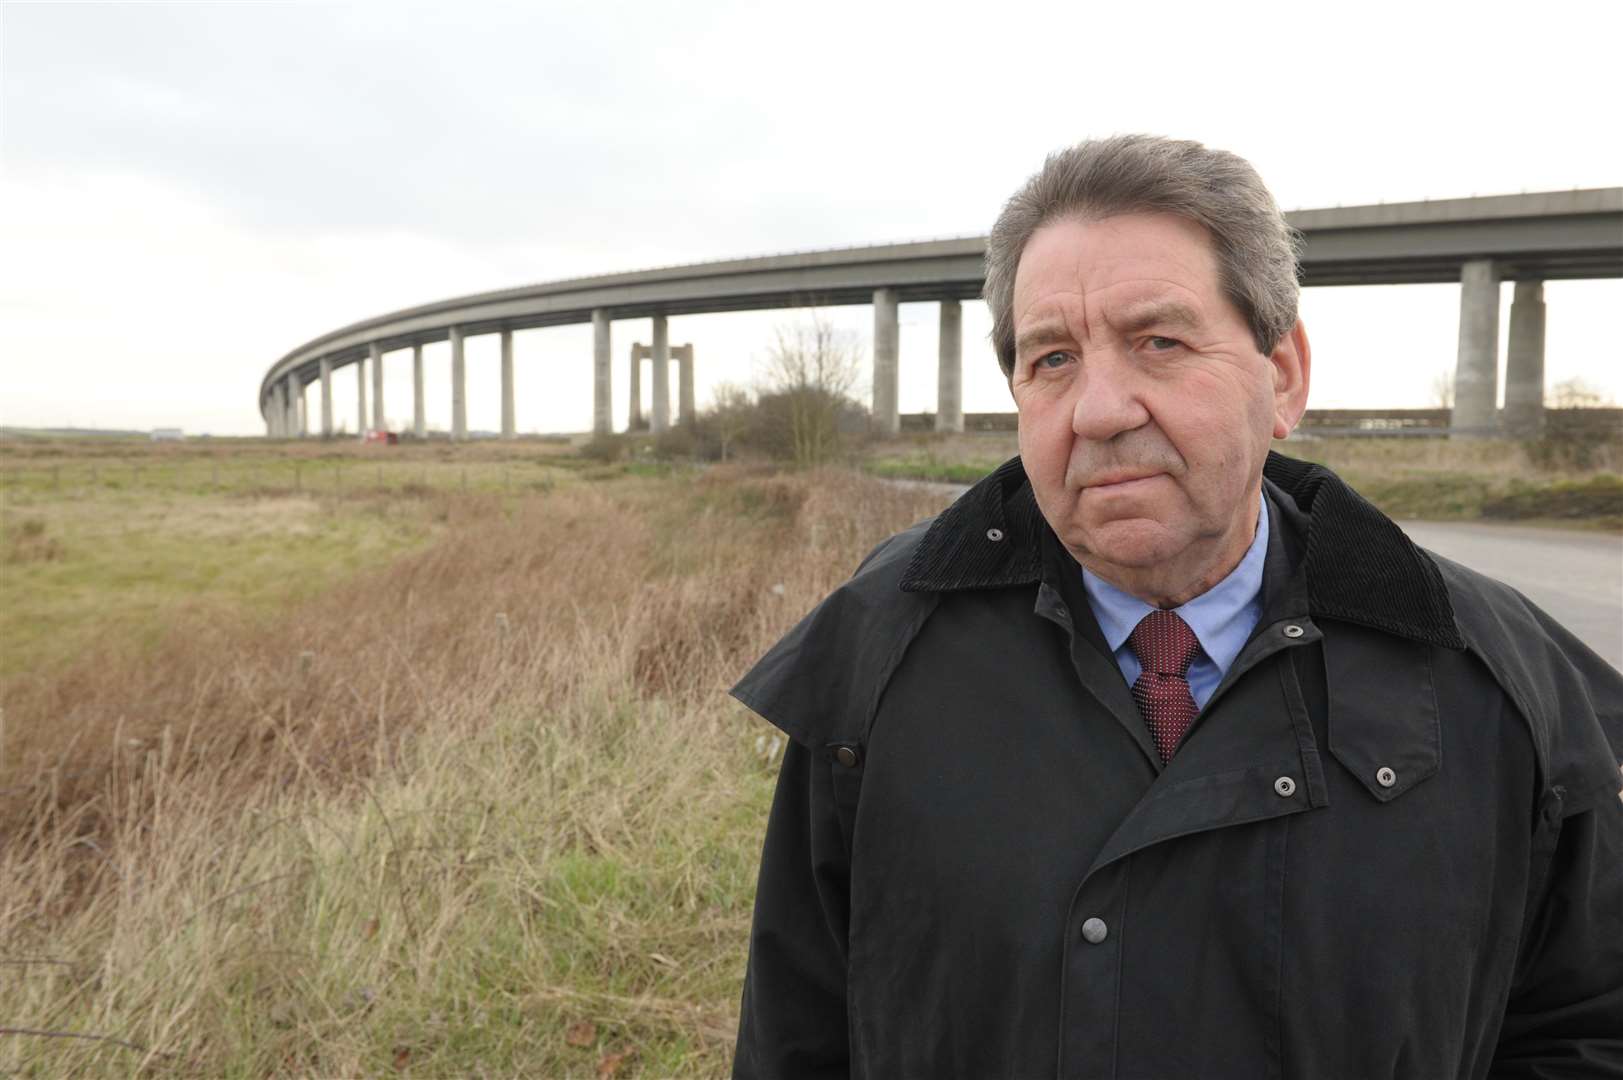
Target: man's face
[1145, 407]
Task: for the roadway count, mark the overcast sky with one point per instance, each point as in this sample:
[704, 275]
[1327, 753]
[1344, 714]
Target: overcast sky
[192, 190]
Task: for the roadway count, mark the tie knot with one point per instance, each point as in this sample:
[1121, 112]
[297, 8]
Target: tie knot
[1164, 643]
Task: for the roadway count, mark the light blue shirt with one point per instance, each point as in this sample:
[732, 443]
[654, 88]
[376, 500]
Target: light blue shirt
[1222, 617]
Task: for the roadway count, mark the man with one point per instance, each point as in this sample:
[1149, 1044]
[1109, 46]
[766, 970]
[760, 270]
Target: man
[1157, 755]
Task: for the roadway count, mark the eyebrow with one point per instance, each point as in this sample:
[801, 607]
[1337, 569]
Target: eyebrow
[1167, 313]
[1046, 333]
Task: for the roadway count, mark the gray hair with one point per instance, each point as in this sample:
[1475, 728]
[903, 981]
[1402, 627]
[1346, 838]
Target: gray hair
[1256, 249]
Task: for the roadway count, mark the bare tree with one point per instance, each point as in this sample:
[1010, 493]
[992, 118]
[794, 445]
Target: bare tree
[730, 413]
[1575, 393]
[1442, 389]
[810, 369]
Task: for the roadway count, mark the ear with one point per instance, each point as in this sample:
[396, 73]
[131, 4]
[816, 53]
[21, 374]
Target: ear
[1292, 363]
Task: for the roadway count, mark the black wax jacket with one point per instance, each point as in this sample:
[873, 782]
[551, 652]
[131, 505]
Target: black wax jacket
[1390, 846]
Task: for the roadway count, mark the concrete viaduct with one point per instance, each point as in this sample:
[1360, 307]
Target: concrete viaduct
[1478, 242]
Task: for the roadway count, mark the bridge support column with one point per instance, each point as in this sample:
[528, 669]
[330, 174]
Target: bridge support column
[326, 397]
[419, 412]
[274, 413]
[634, 415]
[374, 353]
[949, 386]
[1524, 366]
[886, 339]
[295, 407]
[509, 428]
[360, 399]
[304, 415]
[602, 374]
[1476, 377]
[684, 382]
[662, 375]
[459, 387]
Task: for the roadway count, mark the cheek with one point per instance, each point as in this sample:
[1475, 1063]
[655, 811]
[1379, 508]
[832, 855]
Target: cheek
[1045, 441]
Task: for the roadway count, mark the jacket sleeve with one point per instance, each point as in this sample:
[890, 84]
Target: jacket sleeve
[1565, 1014]
[793, 1017]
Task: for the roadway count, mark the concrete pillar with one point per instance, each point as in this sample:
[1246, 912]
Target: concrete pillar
[949, 383]
[360, 399]
[1476, 377]
[684, 382]
[459, 387]
[326, 397]
[304, 414]
[1524, 366]
[602, 375]
[419, 412]
[634, 415]
[274, 413]
[509, 428]
[295, 407]
[886, 338]
[374, 352]
[662, 375]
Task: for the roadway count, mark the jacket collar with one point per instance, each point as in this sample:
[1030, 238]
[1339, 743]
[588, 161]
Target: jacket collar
[1359, 566]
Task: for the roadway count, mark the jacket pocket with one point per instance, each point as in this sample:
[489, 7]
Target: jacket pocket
[1383, 717]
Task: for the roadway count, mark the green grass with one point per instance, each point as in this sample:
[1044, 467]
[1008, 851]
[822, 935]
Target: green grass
[123, 563]
[1597, 498]
[926, 467]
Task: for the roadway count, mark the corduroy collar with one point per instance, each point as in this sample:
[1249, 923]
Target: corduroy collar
[1360, 567]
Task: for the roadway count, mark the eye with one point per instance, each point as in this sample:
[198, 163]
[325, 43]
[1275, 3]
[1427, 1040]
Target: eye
[1164, 344]
[1051, 360]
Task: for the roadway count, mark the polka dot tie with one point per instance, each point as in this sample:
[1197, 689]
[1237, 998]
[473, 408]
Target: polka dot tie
[1165, 646]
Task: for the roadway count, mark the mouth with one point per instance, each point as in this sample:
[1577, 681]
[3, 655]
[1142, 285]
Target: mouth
[1118, 483]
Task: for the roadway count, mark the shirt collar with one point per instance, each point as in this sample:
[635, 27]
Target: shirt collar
[1233, 600]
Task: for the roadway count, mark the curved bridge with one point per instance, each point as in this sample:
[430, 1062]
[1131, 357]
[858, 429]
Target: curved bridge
[1478, 242]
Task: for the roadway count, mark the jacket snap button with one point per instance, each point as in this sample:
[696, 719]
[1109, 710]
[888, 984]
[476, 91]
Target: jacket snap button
[994, 535]
[846, 756]
[1385, 777]
[1293, 631]
[1094, 931]
[1285, 786]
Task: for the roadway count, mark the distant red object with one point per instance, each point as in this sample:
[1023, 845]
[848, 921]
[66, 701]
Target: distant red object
[383, 437]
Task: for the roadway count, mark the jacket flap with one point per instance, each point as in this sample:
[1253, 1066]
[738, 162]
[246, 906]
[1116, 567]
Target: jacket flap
[822, 681]
[1383, 709]
[1571, 699]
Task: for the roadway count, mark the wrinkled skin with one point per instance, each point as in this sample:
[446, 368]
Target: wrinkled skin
[1146, 409]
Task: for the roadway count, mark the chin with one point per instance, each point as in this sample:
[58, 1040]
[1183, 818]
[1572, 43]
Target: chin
[1134, 542]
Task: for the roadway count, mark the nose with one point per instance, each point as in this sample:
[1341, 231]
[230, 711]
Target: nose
[1107, 397]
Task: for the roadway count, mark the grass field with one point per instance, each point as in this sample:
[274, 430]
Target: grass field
[335, 760]
[457, 791]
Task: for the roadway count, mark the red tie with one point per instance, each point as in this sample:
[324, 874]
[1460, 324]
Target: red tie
[1165, 646]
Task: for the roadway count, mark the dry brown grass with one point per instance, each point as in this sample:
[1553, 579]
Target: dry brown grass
[433, 818]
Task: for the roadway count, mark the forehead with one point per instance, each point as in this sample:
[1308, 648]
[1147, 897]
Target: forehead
[1115, 260]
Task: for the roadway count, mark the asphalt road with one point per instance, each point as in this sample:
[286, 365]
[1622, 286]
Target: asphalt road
[1575, 576]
